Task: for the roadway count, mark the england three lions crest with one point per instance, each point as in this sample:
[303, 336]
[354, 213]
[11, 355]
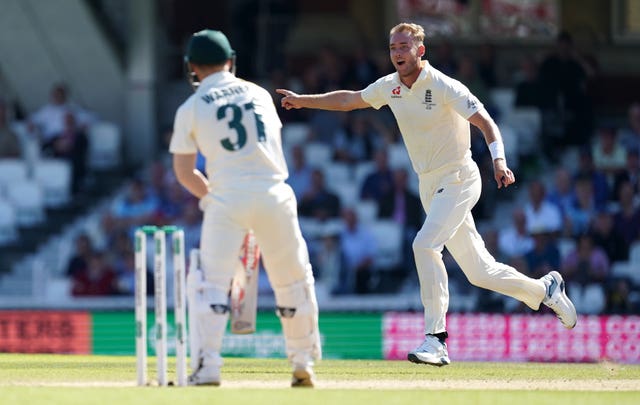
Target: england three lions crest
[428, 99]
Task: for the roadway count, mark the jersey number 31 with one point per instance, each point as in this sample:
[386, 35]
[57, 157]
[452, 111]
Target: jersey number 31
[235, 123]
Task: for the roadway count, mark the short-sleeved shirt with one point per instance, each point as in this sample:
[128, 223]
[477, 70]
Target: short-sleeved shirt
[235, 125]
[432, 116]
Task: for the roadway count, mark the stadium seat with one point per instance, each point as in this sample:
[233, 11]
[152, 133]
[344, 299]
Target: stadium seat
[27, 199]
[566, 246]
[503, 99]
[12, 170]
[54, 176]
[8, 223]
[527, 123]
[388, 235]
[337, 173]
[626, 270]
[593, 299]
[29, 143]
[362, 170]
[348, 194]
[104, 145]
[317, 154]
[294, 133]
[399, 157]
[634, 254]
[367, 211]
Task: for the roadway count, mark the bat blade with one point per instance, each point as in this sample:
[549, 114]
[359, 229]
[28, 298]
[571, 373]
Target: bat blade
[244, 288]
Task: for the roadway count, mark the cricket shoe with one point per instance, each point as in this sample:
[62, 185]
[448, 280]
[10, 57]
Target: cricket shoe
[205, 376]
[432, 351]
[302, 377]
[556, 299]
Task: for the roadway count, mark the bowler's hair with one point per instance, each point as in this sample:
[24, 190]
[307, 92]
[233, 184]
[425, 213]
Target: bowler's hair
[414, 30]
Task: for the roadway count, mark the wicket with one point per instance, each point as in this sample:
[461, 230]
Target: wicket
[160, 302]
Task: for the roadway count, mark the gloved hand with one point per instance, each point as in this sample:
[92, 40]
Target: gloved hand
[204, 202]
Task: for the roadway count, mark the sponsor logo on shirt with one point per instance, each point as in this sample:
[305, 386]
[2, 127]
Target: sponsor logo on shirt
[395, 93]
[428, 98]
[472, 104]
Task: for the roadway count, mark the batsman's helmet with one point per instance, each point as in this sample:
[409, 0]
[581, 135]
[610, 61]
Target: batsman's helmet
[208, 47]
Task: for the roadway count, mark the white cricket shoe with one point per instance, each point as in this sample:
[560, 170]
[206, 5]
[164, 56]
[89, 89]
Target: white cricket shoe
[432, 351]
[302, 377]
[209, 375]
[556, 299]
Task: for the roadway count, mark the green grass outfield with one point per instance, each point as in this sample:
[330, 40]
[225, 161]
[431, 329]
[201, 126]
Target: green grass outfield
[70, 379]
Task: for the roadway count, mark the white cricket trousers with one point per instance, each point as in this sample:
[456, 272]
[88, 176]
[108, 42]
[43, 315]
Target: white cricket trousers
[271, 211]
[448, 194]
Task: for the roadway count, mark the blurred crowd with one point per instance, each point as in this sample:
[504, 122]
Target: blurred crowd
[578, 207]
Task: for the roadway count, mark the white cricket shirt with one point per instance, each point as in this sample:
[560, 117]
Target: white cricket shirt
[432, 116]
[235, 125]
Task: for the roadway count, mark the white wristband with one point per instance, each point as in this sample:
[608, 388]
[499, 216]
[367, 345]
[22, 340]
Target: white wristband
[497, 150]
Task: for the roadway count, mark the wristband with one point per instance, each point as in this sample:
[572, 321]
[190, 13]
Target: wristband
[497, 150]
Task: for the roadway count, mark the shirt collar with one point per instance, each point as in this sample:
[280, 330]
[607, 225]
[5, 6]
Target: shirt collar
[422, 76]
[214, 78]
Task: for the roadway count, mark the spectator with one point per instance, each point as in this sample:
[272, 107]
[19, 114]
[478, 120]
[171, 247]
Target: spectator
[467, 74]
[380, 181]
[99, 279]
[445, 60]
[300, 172]
[138, 206]
[172, 203]
[72, 145]
[358, 246]
[582, 209]
[121, 258]
[603, 235]
[627, 219]
[587, 264]
[541, 215]
[49, 120]
[630, 174]
[318, 202]
[403, 206]
[619, 299]
[328, 263]
[80, 259]
[586, 167]
[514, 241]
[564, 76]
[630, 135]
[362, 70]
[486, 65]
[609, 156]
[527, 84]
[544, 256]
[9, 141]
[355, 142]
[191, 222]
[587, 269]
[562, 195]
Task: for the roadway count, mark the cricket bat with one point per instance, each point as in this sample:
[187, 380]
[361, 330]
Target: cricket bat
[244, 288]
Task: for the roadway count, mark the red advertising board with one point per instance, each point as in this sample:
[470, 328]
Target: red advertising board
[496, 337]
[45, 332]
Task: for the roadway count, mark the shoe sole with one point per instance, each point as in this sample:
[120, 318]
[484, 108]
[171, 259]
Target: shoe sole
[206, 384]
[415, 359]
[302, 378]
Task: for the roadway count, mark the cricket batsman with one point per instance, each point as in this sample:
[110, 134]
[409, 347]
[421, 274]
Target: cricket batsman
[235, 125]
